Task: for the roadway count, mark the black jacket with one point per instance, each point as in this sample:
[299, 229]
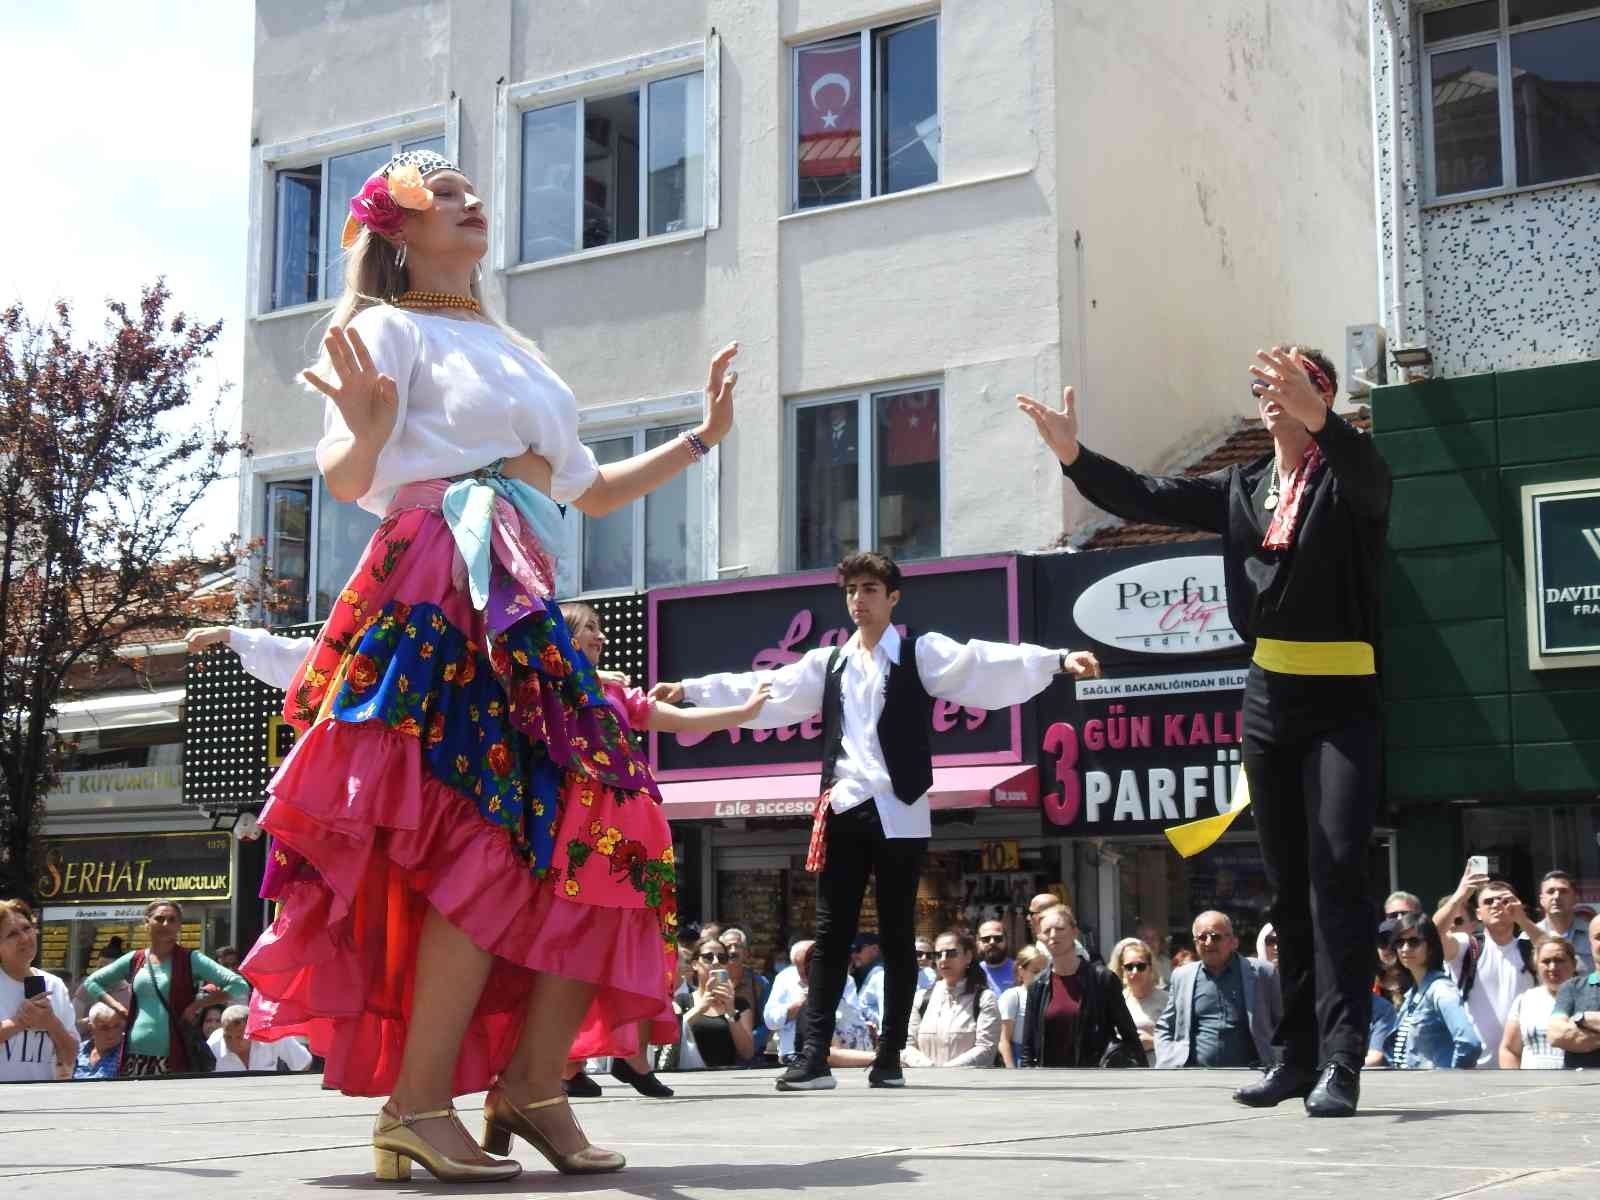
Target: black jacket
[1104, 1022]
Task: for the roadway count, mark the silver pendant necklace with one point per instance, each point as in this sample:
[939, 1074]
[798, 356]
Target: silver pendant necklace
[1271, 501]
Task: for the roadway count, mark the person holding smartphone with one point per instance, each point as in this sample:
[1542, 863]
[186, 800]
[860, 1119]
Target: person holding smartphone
[36, 1018]
[719, 1026]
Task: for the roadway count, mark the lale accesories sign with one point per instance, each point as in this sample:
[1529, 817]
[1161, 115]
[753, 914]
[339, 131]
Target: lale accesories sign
[1561, 561]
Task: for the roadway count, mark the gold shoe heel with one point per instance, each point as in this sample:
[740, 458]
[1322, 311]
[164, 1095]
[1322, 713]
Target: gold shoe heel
[389, 1166]
[396, 1145]
[496, 1138]
[502, 1118]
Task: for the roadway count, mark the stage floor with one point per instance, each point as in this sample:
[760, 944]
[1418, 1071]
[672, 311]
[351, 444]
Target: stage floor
[957, 1133]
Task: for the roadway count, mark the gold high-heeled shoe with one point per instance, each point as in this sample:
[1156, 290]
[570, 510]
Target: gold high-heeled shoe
[396, 1145]
[502, 1118]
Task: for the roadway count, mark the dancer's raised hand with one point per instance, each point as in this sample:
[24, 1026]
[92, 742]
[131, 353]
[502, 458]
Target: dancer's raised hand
[1080, 664]
[1058, 430]
[1282, 380]
[364, 396]
[720, 383]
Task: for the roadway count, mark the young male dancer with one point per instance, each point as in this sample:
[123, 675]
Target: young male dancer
[1302, 532]
[875, 694]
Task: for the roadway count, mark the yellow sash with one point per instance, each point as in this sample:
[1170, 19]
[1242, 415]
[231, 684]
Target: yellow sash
[1283, 658]
[1315, 658]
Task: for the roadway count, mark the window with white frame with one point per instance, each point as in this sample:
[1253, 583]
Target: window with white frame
[1513, 92]
[313, 543]
[865, 475]
[655, 541]
[866, 114]
[621, 162]
[309, 201]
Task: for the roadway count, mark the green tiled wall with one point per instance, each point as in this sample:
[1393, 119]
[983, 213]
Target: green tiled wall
[1466, 718]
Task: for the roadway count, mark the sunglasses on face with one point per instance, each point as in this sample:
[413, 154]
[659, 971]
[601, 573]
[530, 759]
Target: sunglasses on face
[1495, 901]
[1396, 915]
[1273, 940]
[1135, 967]
[991, 939]
[1210, 937]
[947, 954]
[717, 958]
[924, 954]
[1404, 943]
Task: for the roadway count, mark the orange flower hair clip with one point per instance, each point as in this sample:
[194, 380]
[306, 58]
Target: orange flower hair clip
[382, 202]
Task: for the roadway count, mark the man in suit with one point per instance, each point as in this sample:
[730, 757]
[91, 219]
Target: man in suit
[1222, 1009]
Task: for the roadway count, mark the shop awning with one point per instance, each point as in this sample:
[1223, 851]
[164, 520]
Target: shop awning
[126, 710]
[1012, 785]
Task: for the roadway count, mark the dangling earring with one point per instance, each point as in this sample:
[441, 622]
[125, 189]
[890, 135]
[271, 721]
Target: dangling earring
[477, 272]
[400, 256]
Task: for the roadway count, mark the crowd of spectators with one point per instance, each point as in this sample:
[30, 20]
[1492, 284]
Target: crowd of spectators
[1476, 984]
[159, 1010]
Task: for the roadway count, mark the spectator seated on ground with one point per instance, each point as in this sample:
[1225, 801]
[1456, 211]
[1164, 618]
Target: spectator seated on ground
[235, 1052]
[786, 1007]
[1076, 1016]
[749, 985]
[1222, 1010]
[1525, 1044]
[1494, 967]
[1133, 962]
[1030, 961]
[718, 1025]
[956, 1023]
[1435, 1030]
[100, 1054]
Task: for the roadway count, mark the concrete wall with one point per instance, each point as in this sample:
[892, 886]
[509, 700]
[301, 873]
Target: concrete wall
[1222, 192]
[1497, 283]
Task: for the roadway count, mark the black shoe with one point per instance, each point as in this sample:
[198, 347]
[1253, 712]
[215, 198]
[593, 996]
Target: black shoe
[1336, 1093]
[645, 1085]
[886, 1074]
[1281, 1083]
[806, 1077]
[580, 1087]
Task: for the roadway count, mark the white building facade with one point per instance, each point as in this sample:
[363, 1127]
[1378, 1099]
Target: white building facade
[905, 214]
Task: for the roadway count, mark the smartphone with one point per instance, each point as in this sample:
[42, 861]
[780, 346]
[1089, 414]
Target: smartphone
[719, 976]
[33, 986]
[1478, 864]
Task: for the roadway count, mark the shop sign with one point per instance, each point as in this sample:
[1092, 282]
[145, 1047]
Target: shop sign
[1000, 856]
[1561, 558]
[135, 867]
[763, 624]
[1139, 764]
[94, 912]
[1162, 606]
[118, 787]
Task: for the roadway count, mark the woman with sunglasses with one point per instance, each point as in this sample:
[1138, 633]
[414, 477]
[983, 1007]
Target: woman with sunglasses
[1435, 1031]
[1526, 1043]
[719, 1026]
[1132, 962]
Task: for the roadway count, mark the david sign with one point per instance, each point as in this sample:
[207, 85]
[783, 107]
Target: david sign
[1561, 559]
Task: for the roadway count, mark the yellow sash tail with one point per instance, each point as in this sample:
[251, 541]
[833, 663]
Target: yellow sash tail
[1192, 837]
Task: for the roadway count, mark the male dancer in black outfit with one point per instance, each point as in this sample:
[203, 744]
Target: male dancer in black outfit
[875, 694]
[1302, 534]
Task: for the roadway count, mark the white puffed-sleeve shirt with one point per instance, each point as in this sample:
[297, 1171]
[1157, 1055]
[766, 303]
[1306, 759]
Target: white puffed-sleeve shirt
[467, 396]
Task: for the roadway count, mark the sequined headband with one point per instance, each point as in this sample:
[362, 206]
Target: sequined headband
[381, 203]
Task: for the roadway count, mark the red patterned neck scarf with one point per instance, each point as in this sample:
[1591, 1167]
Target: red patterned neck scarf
[1286, 517]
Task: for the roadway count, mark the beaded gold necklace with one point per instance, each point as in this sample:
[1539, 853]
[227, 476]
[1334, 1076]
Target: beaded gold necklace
[425, 300]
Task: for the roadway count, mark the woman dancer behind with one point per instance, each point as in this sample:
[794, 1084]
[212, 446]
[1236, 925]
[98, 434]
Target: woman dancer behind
[636, 711]
[458, 914]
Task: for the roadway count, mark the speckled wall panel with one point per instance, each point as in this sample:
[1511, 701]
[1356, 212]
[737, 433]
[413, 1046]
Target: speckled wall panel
[1509, 281]
[1514, 281]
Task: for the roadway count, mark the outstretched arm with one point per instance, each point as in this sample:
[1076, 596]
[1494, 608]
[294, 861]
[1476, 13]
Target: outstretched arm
[1193, 502]
[994, 674]
[795, 690]
[669, 718]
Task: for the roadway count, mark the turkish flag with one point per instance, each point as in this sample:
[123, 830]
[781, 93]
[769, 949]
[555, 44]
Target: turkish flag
[913, 429]
[829, 97]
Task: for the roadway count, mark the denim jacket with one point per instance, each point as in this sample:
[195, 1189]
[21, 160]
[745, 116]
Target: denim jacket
[1442, 1035]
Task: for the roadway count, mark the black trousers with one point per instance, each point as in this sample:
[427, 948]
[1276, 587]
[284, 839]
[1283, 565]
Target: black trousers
[857, 848]
[1311, 751]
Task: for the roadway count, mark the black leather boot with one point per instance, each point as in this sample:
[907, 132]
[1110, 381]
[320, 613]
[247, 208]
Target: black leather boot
[1283, 1082]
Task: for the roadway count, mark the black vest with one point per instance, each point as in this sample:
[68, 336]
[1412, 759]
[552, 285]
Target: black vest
[902, 727]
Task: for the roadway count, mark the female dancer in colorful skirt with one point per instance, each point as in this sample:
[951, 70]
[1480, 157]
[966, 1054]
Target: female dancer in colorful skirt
[449, 917]
[637, 712]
